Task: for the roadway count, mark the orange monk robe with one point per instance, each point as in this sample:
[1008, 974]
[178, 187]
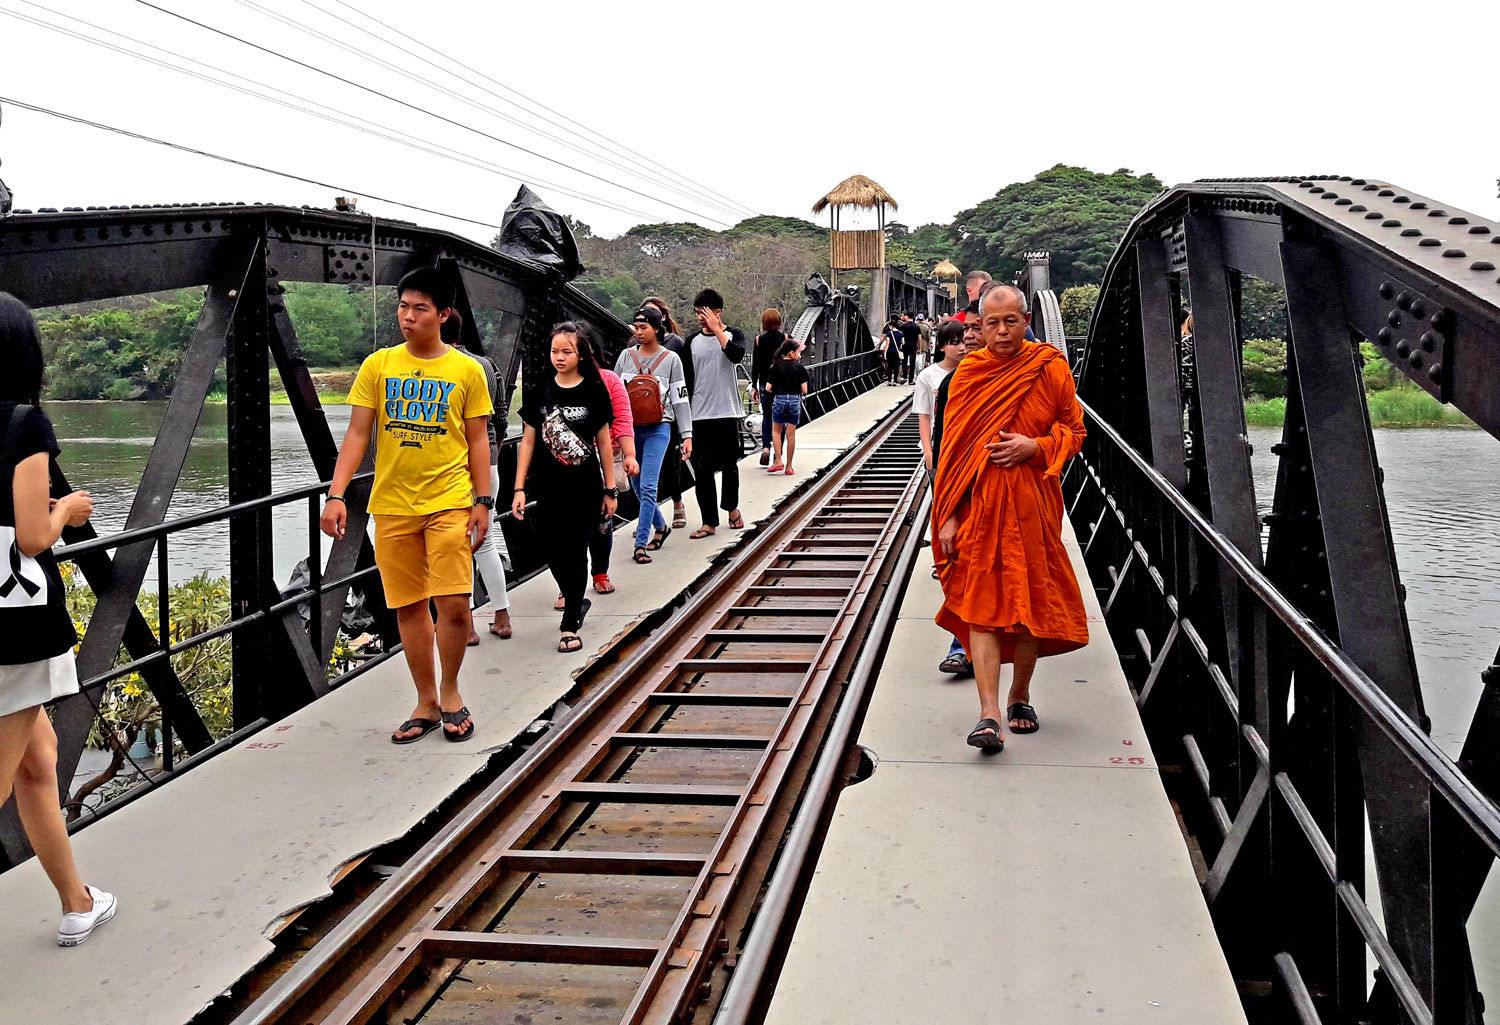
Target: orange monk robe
[1011, 569]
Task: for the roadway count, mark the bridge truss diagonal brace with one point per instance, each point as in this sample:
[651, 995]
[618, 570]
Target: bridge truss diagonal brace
[116, 581]
[1370, 617]
[1225, 446]
[348, 553]
[117, 595]
[1159, 350]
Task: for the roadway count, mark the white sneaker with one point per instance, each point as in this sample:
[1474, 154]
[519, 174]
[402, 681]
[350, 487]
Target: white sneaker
[78, 925]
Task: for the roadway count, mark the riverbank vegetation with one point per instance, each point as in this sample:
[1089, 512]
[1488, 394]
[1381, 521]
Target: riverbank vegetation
[1393, 399]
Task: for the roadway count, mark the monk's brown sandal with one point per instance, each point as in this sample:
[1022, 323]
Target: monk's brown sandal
[986, 736]
[1025, 713]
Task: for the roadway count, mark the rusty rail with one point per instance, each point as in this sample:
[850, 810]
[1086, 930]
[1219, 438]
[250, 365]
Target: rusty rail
[604, 875]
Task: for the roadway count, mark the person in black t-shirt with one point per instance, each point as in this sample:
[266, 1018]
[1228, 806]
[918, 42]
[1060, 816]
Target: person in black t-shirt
[36, 631]
[767, 344]
[891, 339]
[911, 341]
[786, 383]
[567, 419]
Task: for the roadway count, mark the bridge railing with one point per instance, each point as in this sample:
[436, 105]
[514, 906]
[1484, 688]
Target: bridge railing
[833, 382]
[1270, 653]
[1266, 800]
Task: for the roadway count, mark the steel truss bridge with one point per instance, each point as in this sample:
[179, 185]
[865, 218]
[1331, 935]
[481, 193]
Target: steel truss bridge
[243, 256]
[1275, 668]
[1270, 656]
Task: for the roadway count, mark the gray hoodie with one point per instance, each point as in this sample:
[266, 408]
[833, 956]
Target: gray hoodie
[674, 395]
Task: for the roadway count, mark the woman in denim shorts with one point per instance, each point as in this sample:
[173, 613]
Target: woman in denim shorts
[787, 383]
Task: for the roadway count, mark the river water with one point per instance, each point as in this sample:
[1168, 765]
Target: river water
[1440, 490]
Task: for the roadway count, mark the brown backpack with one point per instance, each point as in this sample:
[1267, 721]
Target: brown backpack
[644, 391]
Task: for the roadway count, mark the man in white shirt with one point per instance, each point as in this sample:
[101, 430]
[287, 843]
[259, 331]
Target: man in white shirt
[950, 341]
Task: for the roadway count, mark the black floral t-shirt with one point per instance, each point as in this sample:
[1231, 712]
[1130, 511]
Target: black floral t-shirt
[583, 409]
[34, 620]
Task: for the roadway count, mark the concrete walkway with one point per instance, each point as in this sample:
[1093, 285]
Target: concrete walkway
[1047, 884]
[208, 868]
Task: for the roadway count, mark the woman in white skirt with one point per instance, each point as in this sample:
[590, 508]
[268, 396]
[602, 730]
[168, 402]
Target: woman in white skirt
[36, 632]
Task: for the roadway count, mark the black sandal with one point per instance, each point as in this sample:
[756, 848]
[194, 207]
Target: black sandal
[659, 540]
[986, 736]
[1024, 712]
[955, 664]
[426, 726]
[454, 719]
[641, 556]
[569, 643]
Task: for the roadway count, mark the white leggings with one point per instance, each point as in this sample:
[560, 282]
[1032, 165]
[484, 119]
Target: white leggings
[488, 556]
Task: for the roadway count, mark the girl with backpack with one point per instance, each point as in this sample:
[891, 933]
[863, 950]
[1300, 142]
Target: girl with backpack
[657, 388]
[36, 653]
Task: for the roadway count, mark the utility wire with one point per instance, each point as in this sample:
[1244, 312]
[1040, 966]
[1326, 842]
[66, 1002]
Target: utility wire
[642, 171]
[181, 148]
[459, 124]
[422, 110]
[393, 32]
[328, 113]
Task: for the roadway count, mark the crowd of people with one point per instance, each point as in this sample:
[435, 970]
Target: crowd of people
[998, 419]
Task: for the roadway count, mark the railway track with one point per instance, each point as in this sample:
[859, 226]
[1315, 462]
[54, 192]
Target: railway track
[604, 875]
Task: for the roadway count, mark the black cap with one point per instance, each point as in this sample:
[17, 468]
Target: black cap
[651, 315]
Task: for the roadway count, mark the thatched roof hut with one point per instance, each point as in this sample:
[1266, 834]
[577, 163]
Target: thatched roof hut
[945, 270]
[856, 190]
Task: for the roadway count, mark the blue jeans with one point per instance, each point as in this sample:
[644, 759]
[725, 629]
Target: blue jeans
[787, 409]
[766, 400]
[956, 649]
[650, 449]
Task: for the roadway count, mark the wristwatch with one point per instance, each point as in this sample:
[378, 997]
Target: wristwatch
[612, 492]
[487, 501]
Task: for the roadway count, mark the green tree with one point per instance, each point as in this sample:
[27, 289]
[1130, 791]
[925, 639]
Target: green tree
[1263, 368]
[1262, 309]
[1077, 305]
[1076, 215]
[332, 323]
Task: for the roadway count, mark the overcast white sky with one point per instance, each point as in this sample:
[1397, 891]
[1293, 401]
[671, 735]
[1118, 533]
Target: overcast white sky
[767, 103]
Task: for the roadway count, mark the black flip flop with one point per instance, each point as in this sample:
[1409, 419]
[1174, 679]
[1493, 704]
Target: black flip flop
[659, 540]
[982, 737]
[426, 725]
[1021, 710]
[583, 613]
[453, 719]
[569, 643]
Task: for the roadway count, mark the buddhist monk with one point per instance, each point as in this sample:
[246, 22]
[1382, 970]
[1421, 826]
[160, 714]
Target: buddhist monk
[1009, 594]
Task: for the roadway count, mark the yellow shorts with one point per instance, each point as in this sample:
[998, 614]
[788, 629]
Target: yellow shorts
[422, 556]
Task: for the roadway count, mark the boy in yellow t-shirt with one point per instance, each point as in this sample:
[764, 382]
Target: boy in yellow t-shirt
[431, 500]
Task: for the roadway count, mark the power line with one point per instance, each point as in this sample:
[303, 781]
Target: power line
[644, 173]
[618, 147]
[422, 110]
[448, 120]
[331, 115]
[351, 122]
[182, 148]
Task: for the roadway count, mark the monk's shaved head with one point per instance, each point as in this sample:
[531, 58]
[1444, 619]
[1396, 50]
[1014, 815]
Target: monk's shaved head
[995, 288]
